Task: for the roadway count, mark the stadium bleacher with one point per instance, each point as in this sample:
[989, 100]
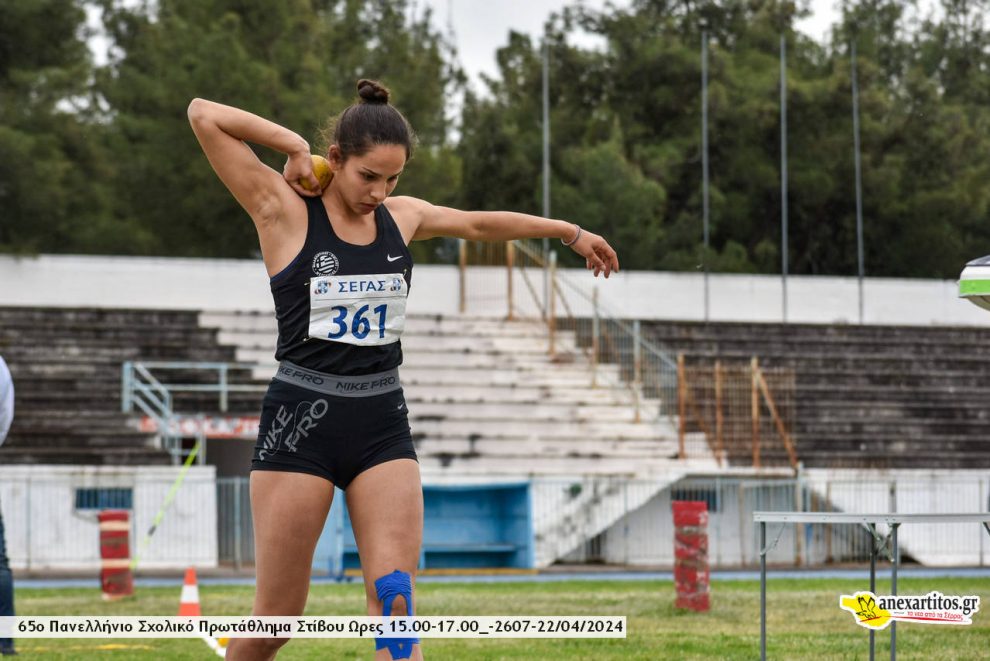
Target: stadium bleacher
[866, 396]
[66, 365]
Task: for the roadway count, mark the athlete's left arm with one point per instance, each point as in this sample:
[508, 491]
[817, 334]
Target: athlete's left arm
[431, 221]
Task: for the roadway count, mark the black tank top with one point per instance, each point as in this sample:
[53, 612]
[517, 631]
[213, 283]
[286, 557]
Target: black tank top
[324, 253]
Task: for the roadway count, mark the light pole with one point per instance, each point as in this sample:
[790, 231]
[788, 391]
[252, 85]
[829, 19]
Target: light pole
[859, 182]
[704, 155]
[783, 169]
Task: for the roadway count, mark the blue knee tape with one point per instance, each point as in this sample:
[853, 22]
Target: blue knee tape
[388, 587]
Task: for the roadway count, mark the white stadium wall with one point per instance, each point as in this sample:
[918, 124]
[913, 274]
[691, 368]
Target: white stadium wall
[229, 284]
[46, 532]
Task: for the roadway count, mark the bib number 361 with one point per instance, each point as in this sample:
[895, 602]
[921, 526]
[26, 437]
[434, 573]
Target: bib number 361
[365, 310]
[360, 326]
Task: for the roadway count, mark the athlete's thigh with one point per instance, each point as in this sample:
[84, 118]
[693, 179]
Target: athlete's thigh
[289, 511]
[385, 504]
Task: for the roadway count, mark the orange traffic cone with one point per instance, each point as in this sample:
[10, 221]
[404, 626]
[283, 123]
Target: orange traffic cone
[189, 601]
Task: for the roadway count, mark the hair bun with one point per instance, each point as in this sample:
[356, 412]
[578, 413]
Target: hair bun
[371, 91]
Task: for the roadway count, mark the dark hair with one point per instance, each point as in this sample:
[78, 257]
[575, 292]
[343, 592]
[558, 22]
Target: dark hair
[368, 122]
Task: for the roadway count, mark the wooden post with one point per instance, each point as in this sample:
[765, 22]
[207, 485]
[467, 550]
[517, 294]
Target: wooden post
[788, 444]
[719, 446]
[462, 269]
[681, 405]
[510, 261]
[754, 366]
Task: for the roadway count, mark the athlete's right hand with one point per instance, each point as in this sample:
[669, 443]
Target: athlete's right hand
[300, 167]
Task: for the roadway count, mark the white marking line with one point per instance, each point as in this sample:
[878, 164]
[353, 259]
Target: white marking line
[215, 646]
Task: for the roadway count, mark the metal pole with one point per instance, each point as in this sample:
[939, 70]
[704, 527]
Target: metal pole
[704, 158]
[462, 269]
[546, 163]
[763, 590]
[979, 508]
[859, 182]
[755, 410]
[637, 367]
[551, 308]
[681, 405]
[873, 581]
[237, 522]
[893, 589]
[637, 352]
[783, 170]
[126, 387]
[595, 333]
[510, 262]
[223, 388]
[719, 420]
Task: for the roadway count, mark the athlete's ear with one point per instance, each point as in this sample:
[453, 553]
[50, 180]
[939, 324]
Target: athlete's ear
[335, 157]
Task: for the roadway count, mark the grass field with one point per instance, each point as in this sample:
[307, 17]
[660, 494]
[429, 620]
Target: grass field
[805, 621]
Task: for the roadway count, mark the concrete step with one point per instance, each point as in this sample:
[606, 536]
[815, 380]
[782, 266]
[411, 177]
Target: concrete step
[908, 412]
[907, 428]
[55, 437]
[592, 448]
[85, 317]
[691, 332]
[495, 411]
[516, 394]
[565, 376]
[516, 360]
[428, 325]
[463, 466]
[121, 456]
[486, 360]
[842, 459]
[475, 327]
[532, 428]
[922, 450]
[412, 341]
[911, 363]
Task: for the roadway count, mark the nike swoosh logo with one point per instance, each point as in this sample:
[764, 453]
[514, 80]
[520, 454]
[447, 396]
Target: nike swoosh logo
[392, 259]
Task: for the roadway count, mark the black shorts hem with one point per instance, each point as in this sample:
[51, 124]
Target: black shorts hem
[261, 466]
[403, 453]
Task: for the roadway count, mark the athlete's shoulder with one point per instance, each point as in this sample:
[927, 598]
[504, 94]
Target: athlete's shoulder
[405, 204]
[409, 213]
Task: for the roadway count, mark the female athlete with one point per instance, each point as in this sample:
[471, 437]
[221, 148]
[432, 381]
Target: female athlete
[334, 414]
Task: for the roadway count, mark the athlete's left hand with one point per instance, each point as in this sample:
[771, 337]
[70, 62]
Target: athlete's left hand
[598, 255]
[299, 167]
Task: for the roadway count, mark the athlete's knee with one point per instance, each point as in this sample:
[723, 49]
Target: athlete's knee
[395, 598]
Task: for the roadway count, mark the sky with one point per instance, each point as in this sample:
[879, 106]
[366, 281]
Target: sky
[482, 26]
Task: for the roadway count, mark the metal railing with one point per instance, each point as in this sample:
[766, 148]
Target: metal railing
[530, 284]
[140, 388]
[725, 401]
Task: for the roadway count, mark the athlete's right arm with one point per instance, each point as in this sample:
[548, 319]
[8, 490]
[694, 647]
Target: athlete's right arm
[223, 132]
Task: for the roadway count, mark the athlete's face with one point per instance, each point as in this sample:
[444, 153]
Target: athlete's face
[365, 181]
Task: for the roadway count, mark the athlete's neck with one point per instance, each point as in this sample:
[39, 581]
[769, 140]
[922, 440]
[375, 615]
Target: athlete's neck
[349, 225]
[337, 208]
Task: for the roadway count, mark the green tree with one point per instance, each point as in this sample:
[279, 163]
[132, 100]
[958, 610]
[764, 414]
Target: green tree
[295, 62]
[53, 171]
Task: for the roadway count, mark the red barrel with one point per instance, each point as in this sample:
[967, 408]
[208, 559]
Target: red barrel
[115, 554]
[691, 573]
